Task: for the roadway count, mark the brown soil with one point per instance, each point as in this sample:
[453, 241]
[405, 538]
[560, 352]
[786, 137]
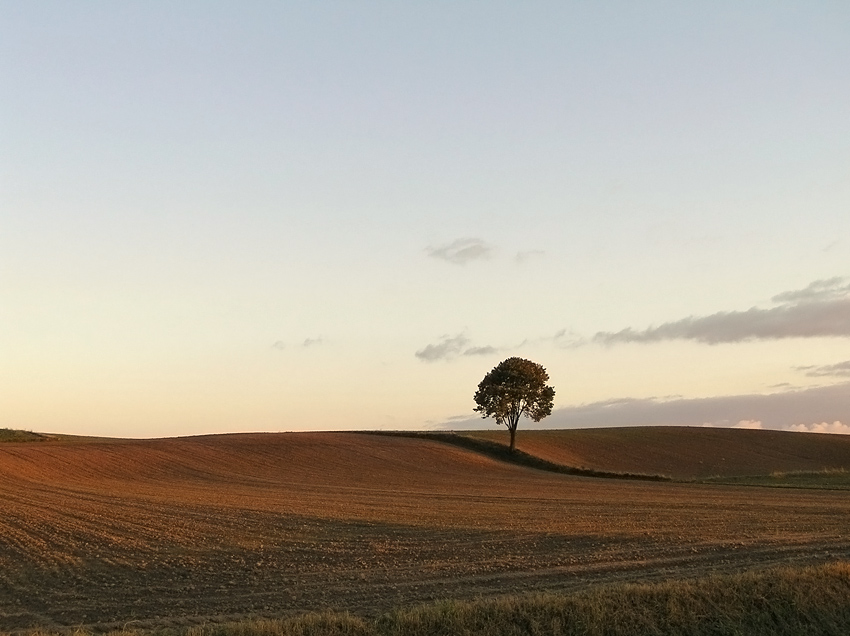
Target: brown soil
[682, 452]
[108, 533]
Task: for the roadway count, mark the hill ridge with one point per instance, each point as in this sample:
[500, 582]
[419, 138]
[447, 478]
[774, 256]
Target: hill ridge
[683, 452]
[502, 453]
[639, 453]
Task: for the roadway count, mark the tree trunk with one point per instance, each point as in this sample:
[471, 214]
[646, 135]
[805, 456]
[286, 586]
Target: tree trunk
[513, 438]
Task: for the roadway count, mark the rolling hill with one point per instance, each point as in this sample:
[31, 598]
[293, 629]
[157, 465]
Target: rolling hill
[164, 532]
[682, 452]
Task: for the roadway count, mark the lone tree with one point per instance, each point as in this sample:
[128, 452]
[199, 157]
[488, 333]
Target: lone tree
[515, 387]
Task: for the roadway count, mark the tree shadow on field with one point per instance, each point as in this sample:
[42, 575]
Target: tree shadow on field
[503, 453]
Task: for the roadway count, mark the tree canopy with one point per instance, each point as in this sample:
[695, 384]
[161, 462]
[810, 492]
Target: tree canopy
[515, 387]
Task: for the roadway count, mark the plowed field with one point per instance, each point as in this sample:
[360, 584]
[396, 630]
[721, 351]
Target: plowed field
[107, 533]
[683, 452]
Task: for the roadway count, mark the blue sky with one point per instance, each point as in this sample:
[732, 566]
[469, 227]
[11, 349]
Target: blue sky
[283, 216]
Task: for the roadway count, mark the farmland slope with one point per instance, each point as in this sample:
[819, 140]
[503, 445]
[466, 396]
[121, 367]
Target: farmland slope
[183, 531]
[682, 452]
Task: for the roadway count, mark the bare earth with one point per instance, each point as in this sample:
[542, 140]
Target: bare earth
[683, 452]
[108, 533]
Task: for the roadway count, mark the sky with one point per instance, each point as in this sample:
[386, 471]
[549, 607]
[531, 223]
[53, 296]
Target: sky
[271, 216]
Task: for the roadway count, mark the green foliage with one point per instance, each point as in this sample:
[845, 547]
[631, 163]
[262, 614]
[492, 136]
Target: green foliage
[515, 387]
[827, 479]
[14, 435]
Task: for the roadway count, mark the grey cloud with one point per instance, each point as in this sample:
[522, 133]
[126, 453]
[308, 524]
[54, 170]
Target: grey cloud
[784, 410]
[448, 347]
[480, 351]
[840, 369]
[820, 310]
[452, 346]
[280, 345]
[462, 251]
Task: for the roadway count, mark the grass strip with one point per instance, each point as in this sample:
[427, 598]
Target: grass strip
[779, 602]
[826, 479]
[15, 435]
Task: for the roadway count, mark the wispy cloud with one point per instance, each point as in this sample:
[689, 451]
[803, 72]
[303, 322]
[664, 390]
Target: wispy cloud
[793, 409]
[840, 369]
[480, 351]
[820, 290]
[567, 339]
[450, 347]
[280, 345]
[820, 310]
[461, 251]
[528, 255]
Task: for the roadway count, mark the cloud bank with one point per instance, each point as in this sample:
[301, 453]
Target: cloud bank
[808, 409]
[462, 251]
[824, 427]
[820, 310]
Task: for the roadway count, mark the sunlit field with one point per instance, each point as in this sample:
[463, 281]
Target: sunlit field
[187, 532]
